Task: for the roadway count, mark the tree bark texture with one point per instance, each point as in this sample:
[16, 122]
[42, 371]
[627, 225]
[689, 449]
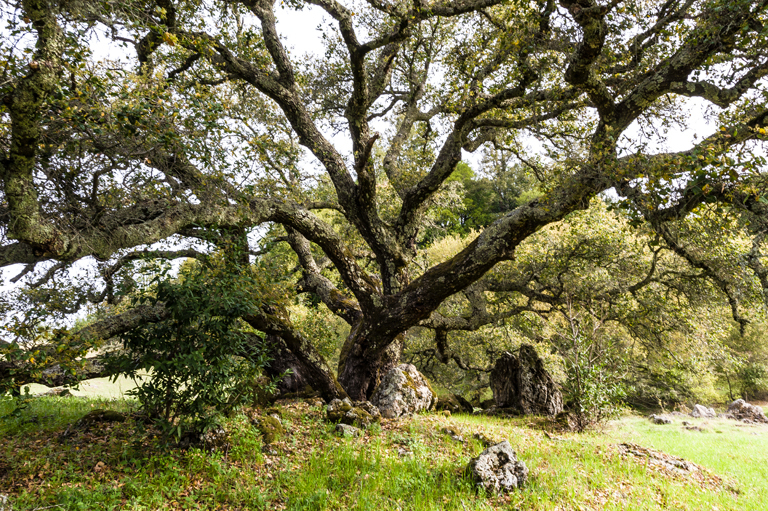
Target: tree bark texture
[360, 371]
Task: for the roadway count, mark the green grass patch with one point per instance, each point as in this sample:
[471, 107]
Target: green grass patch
[107, 388]
[402, 464]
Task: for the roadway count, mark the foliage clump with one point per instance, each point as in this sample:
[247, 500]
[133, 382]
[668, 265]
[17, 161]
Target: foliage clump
[202, 359]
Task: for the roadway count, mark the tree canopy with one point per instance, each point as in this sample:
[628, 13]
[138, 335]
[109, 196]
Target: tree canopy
[139, 131]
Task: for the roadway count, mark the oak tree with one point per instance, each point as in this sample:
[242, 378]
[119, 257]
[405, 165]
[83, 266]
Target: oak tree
[129, 124]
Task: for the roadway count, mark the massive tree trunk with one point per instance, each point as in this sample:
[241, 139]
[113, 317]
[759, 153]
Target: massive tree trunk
[361, 369]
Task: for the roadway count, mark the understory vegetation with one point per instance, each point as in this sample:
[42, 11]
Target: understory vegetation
[47, 461]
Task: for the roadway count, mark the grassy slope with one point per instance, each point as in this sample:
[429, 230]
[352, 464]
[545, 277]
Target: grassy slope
[123, 466]
[738, 451]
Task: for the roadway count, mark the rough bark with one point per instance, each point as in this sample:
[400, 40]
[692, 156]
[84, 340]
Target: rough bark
[360, 372]
[313, 366]
[283, 361]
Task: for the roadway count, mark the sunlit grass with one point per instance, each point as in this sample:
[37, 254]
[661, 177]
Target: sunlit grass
[406, 464]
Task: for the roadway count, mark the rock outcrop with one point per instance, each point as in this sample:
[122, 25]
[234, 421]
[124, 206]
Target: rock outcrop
[497, 469]
[702, 412]
[403, 391]
[745, 412]
[520, 382]
[354, 413]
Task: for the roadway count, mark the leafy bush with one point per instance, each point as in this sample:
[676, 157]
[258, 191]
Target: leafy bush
[593, 390]
[203, 359]
[753, 379]
[594, 394]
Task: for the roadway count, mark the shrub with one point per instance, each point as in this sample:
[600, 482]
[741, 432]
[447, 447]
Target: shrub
[595, 395]
[203, 359]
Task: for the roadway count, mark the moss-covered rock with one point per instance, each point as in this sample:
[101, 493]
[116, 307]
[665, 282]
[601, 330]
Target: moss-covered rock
[100, 415]
[271, 428]
[403, 391]
[358, 413]
[454, 403]
[487, 404]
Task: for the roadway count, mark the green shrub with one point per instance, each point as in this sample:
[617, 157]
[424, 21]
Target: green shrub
[593, 391]
[203, 360]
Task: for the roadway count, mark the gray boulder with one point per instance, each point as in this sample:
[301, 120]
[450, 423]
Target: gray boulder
[403, 391]
[520, 382]
[659, 419]
[745, 412]
[703, 412]
[346, 430]
[497, 469]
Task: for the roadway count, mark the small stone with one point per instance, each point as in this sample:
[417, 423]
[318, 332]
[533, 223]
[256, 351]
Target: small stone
[453, 433]
[346, 430]
[269, 450]
[659, 419]
[404, 452]
[497, 469]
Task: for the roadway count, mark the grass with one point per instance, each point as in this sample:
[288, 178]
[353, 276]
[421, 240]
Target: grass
[738, 451]
[94, 388]
[127, 466]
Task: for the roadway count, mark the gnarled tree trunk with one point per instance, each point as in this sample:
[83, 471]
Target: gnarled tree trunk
[361, 369]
